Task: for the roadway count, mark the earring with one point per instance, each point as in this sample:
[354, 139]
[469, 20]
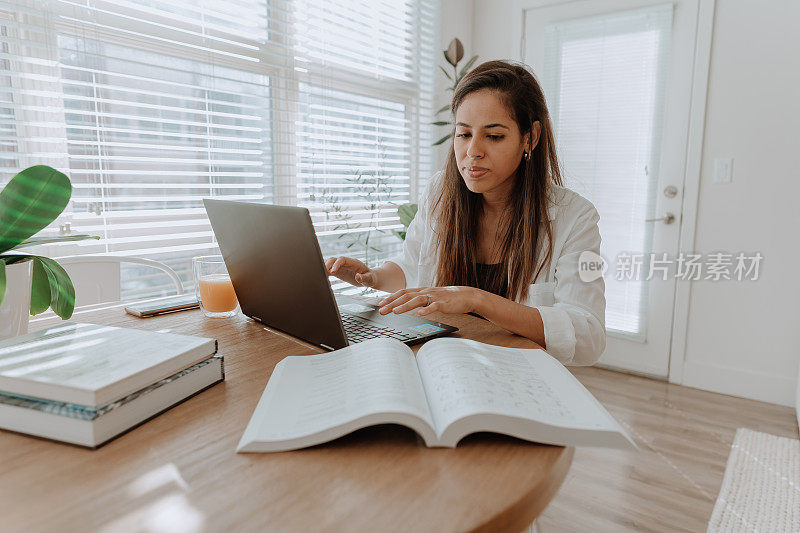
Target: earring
[527, 155]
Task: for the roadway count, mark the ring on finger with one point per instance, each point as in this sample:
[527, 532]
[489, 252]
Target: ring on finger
[429, 300]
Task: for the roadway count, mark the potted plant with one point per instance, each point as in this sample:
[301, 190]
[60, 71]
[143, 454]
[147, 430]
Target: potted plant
[30, 284]
[406, 213]
[453, 55]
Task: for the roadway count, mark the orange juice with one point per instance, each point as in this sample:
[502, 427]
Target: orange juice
[216, 293]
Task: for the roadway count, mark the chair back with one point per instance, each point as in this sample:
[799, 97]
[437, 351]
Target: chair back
[97, 278]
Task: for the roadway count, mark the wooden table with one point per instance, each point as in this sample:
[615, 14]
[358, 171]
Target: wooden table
[180, 471]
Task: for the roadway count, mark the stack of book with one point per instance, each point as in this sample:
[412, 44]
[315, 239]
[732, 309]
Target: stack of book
[86, 384]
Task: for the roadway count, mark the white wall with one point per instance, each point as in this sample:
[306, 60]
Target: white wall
[743, 337]
[456, 22]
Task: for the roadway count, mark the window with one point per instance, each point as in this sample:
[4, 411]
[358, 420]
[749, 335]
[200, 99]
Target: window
[151, 106]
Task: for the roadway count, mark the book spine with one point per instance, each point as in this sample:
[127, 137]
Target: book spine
[83, 412]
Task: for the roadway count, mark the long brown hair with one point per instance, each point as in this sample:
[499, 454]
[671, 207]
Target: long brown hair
[457, 210]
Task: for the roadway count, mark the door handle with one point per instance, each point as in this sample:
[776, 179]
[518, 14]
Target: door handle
[668, 219]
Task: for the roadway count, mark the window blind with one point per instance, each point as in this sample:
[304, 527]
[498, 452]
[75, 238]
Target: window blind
[150, 106]
[604, 80]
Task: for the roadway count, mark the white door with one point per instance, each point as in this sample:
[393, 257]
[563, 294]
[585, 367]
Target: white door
[618, 77]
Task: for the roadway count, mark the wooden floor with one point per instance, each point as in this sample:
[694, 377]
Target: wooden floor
[684, 435]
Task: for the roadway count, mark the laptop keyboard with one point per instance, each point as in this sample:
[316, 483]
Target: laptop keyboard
[358, 330]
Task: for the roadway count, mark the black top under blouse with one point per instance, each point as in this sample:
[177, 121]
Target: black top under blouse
[486, 273]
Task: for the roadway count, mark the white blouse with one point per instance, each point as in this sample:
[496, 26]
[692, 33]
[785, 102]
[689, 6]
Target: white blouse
[572, 310]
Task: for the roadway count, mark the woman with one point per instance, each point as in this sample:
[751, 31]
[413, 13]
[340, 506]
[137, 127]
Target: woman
[497, 234]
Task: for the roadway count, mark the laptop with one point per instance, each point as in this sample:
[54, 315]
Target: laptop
[277, 270]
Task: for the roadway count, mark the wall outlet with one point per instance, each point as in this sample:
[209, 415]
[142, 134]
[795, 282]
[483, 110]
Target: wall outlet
[723, 170]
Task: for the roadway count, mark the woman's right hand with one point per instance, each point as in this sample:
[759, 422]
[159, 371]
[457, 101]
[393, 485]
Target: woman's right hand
[351, 270]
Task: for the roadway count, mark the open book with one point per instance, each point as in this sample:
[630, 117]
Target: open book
[452, 388]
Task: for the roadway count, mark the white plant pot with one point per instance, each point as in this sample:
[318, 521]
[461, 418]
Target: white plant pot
[16, 306]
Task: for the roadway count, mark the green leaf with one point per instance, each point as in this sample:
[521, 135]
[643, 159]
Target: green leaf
[443, 109]
[31, 200]
[441, 123]
[443, 139]
[449, 77]
[62, 293]
[40, 288]
[406, 213]
[33, 241]
[2, 279]
[13, 259]
[401, 234]
[466, 67]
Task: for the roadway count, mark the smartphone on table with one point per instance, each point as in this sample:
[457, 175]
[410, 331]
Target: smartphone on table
[171, 304]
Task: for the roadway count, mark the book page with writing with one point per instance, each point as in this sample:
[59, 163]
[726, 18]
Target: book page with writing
[316, 398]
[465, 378]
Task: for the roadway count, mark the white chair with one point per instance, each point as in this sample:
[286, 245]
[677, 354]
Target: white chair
[97, 277]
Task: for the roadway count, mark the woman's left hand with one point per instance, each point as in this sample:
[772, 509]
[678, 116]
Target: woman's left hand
[451, 300]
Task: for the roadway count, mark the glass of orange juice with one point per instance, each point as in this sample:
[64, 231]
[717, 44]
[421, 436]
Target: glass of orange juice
[213, 286]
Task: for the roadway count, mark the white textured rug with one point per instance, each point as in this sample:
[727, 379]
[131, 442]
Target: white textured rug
[761, 488]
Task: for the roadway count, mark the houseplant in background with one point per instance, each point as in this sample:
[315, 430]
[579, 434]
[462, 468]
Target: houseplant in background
[406, 212]
[453, 55]
[376, 191]
[30, 284]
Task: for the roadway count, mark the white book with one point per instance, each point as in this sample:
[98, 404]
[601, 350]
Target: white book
[93, 365]
[93, 427]
[452, 388]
